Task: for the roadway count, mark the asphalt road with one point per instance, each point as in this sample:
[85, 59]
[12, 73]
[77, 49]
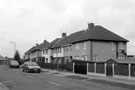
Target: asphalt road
[15, 79]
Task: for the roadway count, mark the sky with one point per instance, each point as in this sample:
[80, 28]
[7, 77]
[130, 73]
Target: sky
[27, 22]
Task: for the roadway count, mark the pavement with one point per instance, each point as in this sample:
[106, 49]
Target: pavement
[90, 77]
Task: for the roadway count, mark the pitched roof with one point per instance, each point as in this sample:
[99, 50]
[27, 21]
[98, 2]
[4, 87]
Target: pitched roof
[56, 43]
[100, 33]
[2, 58]
[30, 50]
[43, 45]
[69, 39]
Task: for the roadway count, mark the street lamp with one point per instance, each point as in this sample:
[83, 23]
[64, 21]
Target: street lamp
[14, 46]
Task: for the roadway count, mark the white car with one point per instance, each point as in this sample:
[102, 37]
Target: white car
[31, 67]
[13, 64]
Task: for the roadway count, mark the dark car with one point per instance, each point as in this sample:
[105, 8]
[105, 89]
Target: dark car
[31, 67]
[13, 64]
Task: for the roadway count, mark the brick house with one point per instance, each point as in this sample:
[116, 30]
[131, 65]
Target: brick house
[36, 53]
[99, 44]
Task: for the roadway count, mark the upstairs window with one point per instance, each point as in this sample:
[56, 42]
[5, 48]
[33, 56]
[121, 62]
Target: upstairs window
[43, 51]
[46, 51]
[84, 45]
[77, 46]
[70, 48]
[113, 46]
[122, 46]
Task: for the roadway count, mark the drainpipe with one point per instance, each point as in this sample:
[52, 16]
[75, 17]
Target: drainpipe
[91, 51]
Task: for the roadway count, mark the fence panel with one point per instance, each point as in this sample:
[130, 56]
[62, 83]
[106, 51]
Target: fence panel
[91, 67]
[133, 70]
[100, 68]
[121, 69]
[81, 68]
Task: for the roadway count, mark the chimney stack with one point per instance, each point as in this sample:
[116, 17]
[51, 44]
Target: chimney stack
[64, 35]
[90, 26]
[36, 44]
[44, 41]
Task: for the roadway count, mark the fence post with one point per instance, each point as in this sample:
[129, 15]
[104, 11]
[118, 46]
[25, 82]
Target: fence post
[113, 69]
[129, 68]
[73, 67]
[95, 64]
[105, 69]
[87, 68]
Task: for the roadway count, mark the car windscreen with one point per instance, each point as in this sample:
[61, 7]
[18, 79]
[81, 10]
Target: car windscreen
[14, 62]
[32, 64]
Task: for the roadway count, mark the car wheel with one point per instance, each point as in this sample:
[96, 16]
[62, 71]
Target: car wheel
[39, 71]
[27, 70]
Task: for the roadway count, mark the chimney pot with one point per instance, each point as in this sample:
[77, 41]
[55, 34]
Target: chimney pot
[64, 34]
[90, 26]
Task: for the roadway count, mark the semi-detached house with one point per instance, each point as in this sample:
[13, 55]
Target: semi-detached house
[38, 52]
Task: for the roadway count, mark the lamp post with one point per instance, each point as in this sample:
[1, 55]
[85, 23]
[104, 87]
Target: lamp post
[14, 46]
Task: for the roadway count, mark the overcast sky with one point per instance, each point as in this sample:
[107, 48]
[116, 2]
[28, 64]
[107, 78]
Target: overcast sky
[27, 22]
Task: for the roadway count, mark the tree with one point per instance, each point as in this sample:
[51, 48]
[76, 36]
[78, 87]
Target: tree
[17, 56]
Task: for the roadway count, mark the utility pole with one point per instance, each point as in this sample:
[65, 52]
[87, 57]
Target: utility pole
[14, 46]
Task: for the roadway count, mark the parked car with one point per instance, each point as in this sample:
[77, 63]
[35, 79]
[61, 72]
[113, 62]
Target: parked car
[31, 67]
[13, 64]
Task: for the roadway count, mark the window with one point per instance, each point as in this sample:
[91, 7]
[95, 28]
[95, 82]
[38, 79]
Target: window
[43, 51]
[122, 46]
[84, 45]
[46, 51]
[77, 46]
[70, 48]
[84, 57]
[113, 46]
[64, 48]
[77, 57]
[67, 48]
[60, 50]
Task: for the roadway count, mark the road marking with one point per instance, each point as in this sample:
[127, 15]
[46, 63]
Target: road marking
[30, 76]
[1, 84]
[17, 72]
[56, 84]
[9, 81]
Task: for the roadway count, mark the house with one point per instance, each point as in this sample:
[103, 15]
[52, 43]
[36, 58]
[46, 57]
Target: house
[3, 60]
[46, 53]
[36, 52]
[65, 45]
[99, 44]
[28, 55]
[58, 51]
[96, 44]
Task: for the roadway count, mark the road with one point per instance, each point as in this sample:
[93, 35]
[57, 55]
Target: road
[15, 79]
